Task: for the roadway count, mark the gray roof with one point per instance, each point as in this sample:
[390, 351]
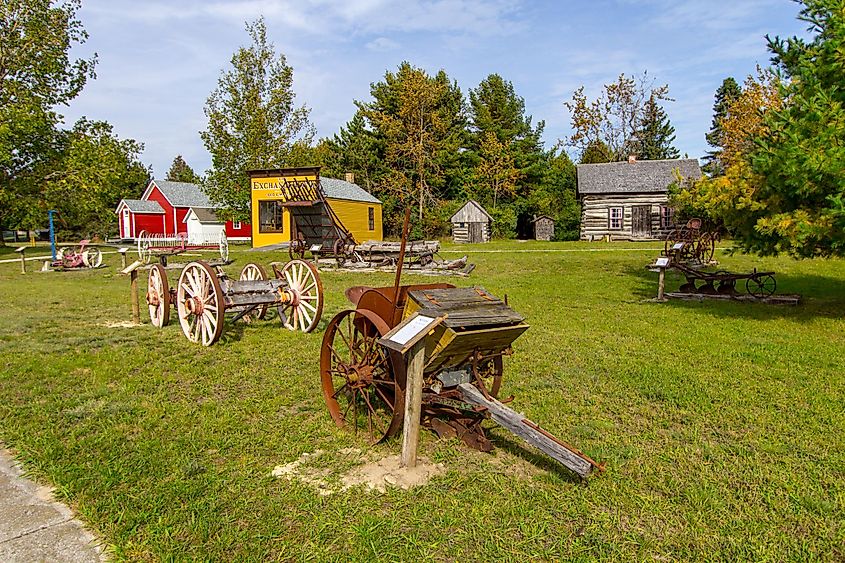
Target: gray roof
[205, 215]
[183, 194]
[642, 176]
[341, 189]
[142, 206]
[464, 214]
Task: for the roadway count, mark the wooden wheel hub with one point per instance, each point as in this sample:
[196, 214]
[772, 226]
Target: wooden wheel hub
[153, 299]
[194, 306]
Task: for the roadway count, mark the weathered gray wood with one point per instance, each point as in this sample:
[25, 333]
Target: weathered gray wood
[413, 404]
[136, 307]
[661, 284]
[513, 421]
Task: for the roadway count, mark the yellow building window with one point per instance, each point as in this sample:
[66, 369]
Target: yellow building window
[270, 217]
[371, 215]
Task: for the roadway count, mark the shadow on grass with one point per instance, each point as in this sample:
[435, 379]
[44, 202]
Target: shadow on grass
[821, 296]
[512, 446]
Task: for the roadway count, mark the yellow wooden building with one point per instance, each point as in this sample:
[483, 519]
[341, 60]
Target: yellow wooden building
[281, 195]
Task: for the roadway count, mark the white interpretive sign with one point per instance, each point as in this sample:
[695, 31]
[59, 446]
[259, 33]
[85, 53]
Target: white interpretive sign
[409, 332]
[662, 262]
[678, 246]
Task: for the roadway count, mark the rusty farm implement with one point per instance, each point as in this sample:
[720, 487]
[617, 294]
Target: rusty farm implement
[364, 382]
[697, 244]
[82, 255]
[204, 295]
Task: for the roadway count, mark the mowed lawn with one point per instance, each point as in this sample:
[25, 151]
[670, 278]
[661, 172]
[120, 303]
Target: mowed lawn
[722, 424]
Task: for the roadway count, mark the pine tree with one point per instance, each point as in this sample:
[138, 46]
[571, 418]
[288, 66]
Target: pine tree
[727, 93]
[181, 172]
[655, 135]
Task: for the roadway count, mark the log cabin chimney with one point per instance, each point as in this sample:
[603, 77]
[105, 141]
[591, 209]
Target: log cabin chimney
[632, 159]
[350, 177]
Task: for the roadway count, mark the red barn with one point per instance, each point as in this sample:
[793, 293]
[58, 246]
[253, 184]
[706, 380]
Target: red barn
[163, 209]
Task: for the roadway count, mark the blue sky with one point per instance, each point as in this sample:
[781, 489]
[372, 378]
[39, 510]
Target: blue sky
[159, 59]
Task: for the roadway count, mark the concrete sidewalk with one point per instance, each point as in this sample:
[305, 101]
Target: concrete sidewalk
[34, 527]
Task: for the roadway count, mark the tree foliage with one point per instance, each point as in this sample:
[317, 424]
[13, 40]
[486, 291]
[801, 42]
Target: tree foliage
[496, 171]
[181, 172]
[615, 116]
[36, 75]
[727, 93]
[417, 122]
[253, 123]
[654, 138]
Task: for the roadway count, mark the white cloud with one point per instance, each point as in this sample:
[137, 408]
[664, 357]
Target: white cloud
[382, 44]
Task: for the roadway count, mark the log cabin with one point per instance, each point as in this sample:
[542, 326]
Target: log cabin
[629, 200]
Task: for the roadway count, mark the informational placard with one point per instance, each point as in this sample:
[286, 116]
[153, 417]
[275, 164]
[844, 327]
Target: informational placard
[131, 267]
[662, 262]
[316, 247]
[678, 245]
[409, 332]
[21, 249]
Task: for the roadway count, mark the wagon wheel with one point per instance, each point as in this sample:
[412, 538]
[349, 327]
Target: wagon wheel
[761, 286]
[671, 239]
[705, 248]
[339, 255]
[143, 244]
[158, 296]
[223, 244]
[305, 289]
[488, 372]
[296, 249]
[60, 254]
[199, 300]
[362, 382]
[250, 272]
[92, 257]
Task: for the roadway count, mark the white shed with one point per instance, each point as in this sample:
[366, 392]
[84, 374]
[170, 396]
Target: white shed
[471, 223]
[203, 225]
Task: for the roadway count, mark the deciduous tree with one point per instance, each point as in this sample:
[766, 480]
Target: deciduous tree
[253, 122]
[614, 117]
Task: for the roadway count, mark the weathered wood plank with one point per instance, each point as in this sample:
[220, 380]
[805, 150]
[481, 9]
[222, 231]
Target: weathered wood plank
[514, 422]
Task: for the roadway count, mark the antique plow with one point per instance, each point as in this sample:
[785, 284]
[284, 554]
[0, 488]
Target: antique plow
[698, 245]
[204, 295]
[364, 383]
[82, 255]
[723, 282]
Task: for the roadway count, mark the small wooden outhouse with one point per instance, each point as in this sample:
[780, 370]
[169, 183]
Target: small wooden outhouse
[544, 227]
[471, 223]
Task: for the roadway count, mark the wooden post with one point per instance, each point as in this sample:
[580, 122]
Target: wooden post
[413, 404]
[661, 284]
[122, 251]
[136, 308]
[22, 251]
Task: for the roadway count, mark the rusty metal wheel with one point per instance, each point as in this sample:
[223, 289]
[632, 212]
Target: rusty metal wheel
[296, 249]
[251, 272]
[92, 257]
[305, 307]
[362, 382]
[705, 248]
[761, 286]
[199, 301]
[158, 296]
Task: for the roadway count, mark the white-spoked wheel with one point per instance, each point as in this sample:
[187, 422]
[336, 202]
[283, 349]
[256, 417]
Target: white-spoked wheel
[144, 247]
[199, 300]
[252, 272]
[158, 296]
[303, 310]
[224, 248]
[92, 257]
[60, 254]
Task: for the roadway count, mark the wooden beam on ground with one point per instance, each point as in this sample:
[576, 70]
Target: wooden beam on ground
[771, 300]
[528, 431]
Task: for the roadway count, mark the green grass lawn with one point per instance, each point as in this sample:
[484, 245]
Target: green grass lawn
[722, 424]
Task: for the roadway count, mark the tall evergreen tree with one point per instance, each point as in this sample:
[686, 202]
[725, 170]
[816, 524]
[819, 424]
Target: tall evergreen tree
[253, 122]
[655, 136]
[727, 93]
[181, 172]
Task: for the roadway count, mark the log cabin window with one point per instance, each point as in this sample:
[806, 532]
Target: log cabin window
[666, 216]
[270, 216]
[614, 218]
[371, 218]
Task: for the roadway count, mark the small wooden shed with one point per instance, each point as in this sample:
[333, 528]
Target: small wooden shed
[544, 227]
[471, 223]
